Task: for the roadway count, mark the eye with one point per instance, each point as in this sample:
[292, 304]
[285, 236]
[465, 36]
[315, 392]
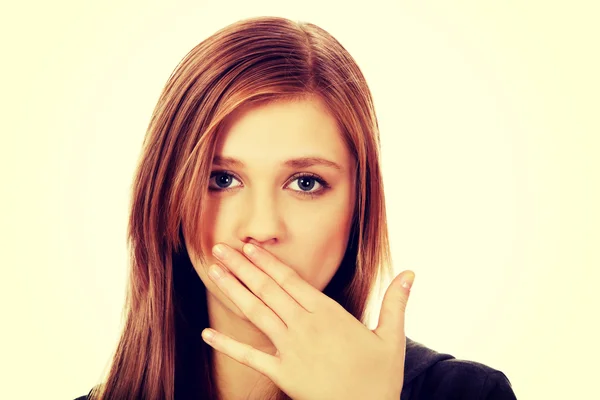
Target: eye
[306, 182]
[223, 180]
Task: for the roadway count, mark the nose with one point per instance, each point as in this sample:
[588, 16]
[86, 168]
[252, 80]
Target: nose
[260, 221]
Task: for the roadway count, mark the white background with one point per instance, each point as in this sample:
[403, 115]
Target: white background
[490, 130]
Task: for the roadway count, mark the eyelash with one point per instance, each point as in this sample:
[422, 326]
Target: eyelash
[324, 185]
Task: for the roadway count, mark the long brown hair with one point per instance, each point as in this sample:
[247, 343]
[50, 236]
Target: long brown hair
[160, 354]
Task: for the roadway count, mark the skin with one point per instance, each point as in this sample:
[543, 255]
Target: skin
[266, 206]
[323, 352]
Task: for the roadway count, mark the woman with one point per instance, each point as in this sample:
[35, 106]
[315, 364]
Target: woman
[266, 135]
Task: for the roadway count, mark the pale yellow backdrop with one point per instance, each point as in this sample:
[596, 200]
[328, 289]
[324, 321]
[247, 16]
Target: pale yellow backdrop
[489, 120]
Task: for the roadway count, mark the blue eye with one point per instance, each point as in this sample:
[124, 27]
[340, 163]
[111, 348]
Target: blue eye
[307, 181]
[223, 180]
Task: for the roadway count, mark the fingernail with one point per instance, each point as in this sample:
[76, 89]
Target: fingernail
[408, 281]
[208, 335]
[219, 251]
[249, 249]
[215, 271]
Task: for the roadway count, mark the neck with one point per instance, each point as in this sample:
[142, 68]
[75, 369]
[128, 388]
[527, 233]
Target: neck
[236, 381]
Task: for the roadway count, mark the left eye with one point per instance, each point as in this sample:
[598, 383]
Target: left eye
[307, 182]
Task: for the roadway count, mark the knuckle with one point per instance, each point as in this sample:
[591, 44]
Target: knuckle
[270, 322]
[247, 357]
[288, 278]
[254, 310]
[262, 289]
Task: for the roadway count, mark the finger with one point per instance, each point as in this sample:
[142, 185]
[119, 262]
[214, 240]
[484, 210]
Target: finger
[301, 291]
[262, 285]
[393, 310]
[266, 364]
[252, 307]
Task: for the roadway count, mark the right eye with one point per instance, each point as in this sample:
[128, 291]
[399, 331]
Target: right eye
[222, 180]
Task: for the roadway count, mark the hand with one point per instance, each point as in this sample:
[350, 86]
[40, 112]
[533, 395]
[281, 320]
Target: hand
[323, 352]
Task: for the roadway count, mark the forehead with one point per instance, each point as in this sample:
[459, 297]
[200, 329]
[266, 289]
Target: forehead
[282, 130]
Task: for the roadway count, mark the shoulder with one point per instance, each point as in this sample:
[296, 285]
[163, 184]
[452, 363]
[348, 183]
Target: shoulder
[469, 379]
[432, 375]
[86, 397]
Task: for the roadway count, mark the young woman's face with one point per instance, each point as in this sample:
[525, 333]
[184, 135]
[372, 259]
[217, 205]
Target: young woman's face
[300, 211]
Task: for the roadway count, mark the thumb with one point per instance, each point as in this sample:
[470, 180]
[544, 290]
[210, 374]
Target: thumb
[390, 327]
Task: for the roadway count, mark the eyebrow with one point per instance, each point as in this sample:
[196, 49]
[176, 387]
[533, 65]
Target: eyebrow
[299, 163]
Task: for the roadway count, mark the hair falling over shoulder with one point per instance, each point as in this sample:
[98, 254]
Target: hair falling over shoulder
[160, 354]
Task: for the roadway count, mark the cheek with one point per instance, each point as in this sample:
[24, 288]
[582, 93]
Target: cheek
[208, 229]
[321, 246]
